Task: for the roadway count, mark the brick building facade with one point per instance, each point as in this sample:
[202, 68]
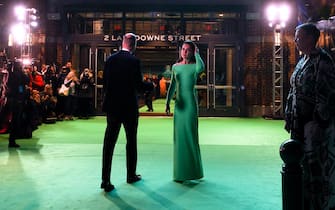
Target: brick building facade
[238, 36]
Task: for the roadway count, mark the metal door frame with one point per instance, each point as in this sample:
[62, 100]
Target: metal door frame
[222, 87]
[211, 87]
[93, 63]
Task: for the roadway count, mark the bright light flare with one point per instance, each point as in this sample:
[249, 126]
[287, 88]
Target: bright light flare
[33, 10]
[34, 24]
[20, 12]
[284, 14]
[33, 17]
[26, 61]
[271, 12]
[19, 33]
[278, 14]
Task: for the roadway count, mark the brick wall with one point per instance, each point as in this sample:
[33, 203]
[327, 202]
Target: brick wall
[258, 66]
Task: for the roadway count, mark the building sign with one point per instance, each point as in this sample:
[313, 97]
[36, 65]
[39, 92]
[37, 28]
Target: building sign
[159, 38]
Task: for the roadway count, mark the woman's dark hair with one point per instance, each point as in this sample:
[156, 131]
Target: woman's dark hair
[191, 44]
[310, 29]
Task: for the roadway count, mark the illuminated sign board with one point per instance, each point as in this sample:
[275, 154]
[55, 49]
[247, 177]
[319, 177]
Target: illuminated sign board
[159, 38]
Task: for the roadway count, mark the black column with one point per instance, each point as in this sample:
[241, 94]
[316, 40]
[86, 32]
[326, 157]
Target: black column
[291, 152]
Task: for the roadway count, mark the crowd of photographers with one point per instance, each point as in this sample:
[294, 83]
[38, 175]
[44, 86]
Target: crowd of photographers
[32, 95]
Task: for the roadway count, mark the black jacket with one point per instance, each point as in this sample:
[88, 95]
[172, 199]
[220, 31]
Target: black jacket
[122, 81]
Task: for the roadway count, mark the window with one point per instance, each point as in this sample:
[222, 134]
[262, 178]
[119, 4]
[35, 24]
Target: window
[172, 23]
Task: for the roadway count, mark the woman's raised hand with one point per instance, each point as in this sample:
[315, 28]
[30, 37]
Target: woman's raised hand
[196, 49]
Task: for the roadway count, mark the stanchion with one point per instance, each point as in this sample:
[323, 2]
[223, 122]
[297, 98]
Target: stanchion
[291, 152]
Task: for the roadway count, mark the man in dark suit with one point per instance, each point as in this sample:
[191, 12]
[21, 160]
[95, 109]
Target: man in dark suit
[121, 82]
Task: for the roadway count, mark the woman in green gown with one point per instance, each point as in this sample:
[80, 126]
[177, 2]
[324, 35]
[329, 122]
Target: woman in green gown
[187, 160]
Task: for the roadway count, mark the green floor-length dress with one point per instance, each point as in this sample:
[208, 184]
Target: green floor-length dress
[187, 159]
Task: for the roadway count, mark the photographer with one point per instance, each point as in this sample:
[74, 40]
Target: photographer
[85, 93]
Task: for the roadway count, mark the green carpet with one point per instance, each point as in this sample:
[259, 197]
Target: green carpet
[60, 167]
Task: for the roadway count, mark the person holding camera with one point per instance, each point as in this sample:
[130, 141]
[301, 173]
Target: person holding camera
[85, 93]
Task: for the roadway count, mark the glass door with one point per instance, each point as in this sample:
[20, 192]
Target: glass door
[203, 80]
[217, 87]
[224, 87]
[97, 63]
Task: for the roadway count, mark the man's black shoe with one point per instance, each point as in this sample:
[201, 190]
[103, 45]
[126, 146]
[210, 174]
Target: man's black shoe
[107, 186]
[13, 145]
[134, 178]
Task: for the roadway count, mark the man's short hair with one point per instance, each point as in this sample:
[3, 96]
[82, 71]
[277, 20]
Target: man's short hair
[310, 29]
[130, 39]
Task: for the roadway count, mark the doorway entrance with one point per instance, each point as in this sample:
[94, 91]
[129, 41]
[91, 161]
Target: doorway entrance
[94, 58]
[217, 86]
